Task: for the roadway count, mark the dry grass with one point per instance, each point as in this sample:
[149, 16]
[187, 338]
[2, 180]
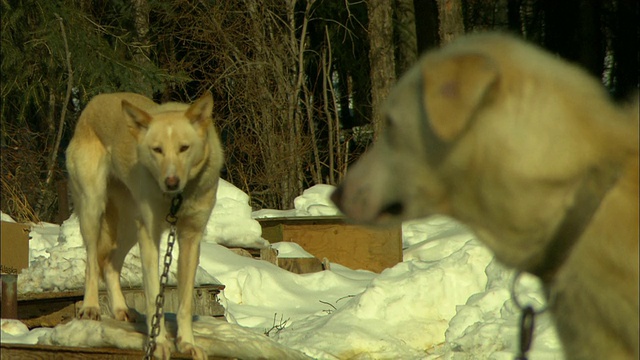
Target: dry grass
[19, 179]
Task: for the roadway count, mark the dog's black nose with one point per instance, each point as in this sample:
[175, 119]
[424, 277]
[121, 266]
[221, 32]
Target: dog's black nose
[172, 182]
[393, 209]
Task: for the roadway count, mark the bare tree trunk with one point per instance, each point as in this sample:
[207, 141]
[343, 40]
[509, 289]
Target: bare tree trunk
[337, 166]
[406, 29]
[427, 24]
[316, 170]
[381, 57]
[141, 51]
[451, 20]
[295, 118]
[532, 21]
[325, 59]
[573, 30]
[56, 145]
[501, 18]
[514, 16]
[487, 15]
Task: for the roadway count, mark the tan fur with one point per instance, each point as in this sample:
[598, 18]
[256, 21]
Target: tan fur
[128, 157]
[502, 136]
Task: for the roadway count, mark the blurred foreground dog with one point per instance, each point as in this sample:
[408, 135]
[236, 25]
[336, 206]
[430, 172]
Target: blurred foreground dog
[128, 157]
[531, 154]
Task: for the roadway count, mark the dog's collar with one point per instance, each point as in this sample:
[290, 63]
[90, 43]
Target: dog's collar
[588, 198]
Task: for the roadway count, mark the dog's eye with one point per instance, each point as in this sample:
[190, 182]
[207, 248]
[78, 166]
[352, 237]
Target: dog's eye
[184, 148]
[157, 150]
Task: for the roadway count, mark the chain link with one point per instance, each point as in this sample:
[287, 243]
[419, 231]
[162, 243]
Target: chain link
[172, 219]
[527, 318]
[527, 325]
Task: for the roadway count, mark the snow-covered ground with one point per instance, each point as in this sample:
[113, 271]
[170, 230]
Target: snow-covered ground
[448, 299]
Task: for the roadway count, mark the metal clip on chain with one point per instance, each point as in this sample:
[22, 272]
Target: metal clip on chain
[172, 219]
[526, 332]
[527, 323]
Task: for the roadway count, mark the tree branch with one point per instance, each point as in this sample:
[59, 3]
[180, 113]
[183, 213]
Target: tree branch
[63, 113]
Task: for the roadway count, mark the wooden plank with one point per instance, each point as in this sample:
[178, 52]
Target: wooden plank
[302, 220]
[48, 296]
[205, 300]
[353, 246]
[242, 252]
[18, 351]
[269, 254]
[47, 309]
[300, 265]
[272, 232]
[338, 241]
[14, 247]
[9, 294]
[51, 309]
[51, 319]
[63, 201]
[51, 295]
[28, 352]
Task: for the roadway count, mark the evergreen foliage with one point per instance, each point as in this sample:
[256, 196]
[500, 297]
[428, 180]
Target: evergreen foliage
[291, 79]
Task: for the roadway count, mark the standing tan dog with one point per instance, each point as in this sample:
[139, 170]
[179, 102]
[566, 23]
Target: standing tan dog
[532, 155]
[128, 157]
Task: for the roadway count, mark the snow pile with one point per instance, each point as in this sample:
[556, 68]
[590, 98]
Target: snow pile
[377, 319]
[230, 223]
[314, 201]
[448, 299]
[214, 336]
[15, 332]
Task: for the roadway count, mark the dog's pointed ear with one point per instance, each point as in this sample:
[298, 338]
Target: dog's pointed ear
[199, 113]
[454, 87]
[137, 119]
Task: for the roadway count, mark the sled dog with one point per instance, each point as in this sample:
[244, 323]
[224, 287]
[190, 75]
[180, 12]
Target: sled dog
[127, 159]
[529, 152]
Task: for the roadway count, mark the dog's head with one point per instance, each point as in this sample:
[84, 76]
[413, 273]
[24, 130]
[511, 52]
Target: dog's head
[398, 178]
[172, 140]
[493, 132]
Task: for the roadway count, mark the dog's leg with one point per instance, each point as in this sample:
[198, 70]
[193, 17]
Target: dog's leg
[88, 169]
[125, 238]
[90, 228]
[188, 259]
[148, 238]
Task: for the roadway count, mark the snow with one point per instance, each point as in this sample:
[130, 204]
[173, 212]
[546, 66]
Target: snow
[448, 299]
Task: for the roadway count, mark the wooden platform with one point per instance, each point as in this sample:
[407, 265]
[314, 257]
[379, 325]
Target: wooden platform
[51, 309]
[331, 237]
[26, 352]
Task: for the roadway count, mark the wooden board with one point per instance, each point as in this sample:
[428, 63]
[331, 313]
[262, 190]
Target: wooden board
[354, 246]
[26, 352]
[51, 309]
[300, 265]
[294, 265]
[14, 247]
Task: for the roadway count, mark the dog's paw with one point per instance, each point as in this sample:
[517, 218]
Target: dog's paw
[163, 350]
[128, 315]
[197, 353]
[89, 313]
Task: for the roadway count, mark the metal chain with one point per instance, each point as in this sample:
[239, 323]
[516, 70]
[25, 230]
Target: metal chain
[527, 322]
[172, 219]
[527, 325]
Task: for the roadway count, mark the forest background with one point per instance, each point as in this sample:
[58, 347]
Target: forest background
[297, 84]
